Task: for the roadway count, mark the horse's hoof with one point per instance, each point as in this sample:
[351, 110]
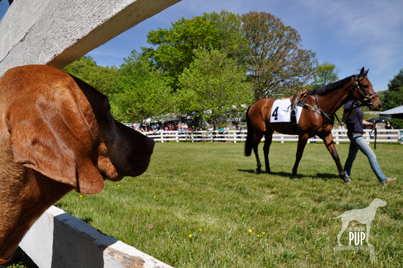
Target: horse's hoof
[347, 181]
[257, 171]
[295, 177]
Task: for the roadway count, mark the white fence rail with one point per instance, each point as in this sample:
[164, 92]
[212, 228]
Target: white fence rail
[236, 136]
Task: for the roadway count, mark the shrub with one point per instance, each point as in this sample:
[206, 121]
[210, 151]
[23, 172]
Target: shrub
[396, 123]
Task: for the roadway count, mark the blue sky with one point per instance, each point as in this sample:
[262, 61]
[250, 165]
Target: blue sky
[349, 33]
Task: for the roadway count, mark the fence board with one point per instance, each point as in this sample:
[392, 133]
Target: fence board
[57, 32]
[236, 136]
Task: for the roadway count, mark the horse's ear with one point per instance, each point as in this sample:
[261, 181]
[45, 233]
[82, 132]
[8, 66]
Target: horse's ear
[363, 73]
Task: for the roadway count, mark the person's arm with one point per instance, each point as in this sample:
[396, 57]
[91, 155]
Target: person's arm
[366, 123]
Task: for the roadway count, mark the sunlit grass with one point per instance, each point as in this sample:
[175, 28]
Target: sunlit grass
[201, 205]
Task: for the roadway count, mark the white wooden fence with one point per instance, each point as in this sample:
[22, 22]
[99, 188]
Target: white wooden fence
[237, 136]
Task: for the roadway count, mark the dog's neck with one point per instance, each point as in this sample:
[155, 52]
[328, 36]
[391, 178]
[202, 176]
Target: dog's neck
[30, 199]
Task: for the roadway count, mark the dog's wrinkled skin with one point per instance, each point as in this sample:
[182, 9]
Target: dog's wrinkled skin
[56, 134]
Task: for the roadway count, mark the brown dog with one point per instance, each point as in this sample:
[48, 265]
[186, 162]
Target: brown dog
[56, 134]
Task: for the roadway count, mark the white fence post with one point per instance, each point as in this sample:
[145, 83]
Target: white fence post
[336, 136]
[49, 244]
[367, 137]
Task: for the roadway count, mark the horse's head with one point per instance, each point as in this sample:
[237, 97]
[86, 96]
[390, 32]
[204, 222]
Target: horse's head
[364, 92]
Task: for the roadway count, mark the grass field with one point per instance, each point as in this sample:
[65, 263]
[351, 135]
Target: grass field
[201, 205]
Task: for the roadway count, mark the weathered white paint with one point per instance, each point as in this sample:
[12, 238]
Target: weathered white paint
[57, 32]
[58, 239]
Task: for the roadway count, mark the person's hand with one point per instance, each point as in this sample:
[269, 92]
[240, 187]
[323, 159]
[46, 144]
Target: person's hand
[374, 126]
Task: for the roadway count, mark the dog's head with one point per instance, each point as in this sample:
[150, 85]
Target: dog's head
[62, 127]
[378, 203]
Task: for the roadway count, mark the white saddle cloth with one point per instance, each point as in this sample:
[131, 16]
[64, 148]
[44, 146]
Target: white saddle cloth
[281, 111]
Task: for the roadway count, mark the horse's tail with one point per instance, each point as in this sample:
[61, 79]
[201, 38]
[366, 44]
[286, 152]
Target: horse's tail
[250, 136]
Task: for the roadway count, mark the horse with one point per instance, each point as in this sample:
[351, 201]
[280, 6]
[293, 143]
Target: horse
[316, 118]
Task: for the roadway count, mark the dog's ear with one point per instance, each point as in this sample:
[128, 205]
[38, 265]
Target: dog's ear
[48, 133]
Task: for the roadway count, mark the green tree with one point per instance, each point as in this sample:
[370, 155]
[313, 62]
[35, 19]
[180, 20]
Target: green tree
[324, 74]
[393, 97]
[101, 78]
[173, 48]
[141, 90]
[230, 39]
[278, 66]
[213, 85]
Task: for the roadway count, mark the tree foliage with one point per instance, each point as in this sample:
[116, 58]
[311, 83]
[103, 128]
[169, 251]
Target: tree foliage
[141, 90]
[277, 63]
[173, 48]
[230, 39]
[324, 74]
[213, 85]
[101, 78]
[393, 97]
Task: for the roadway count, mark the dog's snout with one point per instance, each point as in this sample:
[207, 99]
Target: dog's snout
[150, 143]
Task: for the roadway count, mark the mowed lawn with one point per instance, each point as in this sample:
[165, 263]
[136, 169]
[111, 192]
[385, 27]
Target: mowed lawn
[201, 205]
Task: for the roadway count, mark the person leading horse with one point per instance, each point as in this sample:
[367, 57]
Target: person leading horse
[316, 117]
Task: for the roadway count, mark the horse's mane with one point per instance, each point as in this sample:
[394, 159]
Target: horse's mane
[329, 88]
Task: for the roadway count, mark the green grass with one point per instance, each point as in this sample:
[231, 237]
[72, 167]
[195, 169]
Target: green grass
[201, 205]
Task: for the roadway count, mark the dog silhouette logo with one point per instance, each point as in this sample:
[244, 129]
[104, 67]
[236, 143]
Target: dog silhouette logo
[363, 216]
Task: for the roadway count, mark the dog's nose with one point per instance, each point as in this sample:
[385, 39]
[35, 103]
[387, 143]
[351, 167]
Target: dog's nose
[150, 143]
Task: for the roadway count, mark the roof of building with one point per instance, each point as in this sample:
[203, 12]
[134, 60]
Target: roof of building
[396, 110]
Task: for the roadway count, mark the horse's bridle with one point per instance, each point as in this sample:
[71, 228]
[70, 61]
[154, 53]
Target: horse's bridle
[360, 89]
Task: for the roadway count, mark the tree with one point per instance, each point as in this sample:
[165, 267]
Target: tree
[393, 97]
[277, 63]
[101, 78]
[213, 85]
[174, 46]
[230, 39]
[141, 90]
[173, 49]
[324, 74]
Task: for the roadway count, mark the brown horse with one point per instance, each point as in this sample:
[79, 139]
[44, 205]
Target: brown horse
[316, 118]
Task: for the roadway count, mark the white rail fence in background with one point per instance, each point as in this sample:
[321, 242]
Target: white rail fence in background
[235, 136]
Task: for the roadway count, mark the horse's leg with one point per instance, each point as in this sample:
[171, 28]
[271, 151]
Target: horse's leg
[302, 140]
[266, 148]
[328, 140]
[258, 137]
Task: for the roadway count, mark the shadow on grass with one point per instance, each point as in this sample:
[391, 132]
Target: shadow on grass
[252, 171]
[322, 176]
[326, 176]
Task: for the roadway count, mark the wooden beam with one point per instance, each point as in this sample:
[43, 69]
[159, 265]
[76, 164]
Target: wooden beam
[58, 239]
[57, 32]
